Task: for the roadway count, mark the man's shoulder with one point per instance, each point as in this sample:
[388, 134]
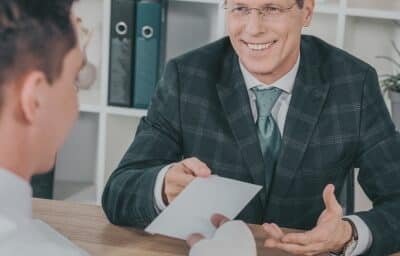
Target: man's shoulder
[331, 58]
[208, 58]
[33, 247]
[31, 239]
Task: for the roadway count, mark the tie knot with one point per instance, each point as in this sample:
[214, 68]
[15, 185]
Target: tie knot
[265, 99]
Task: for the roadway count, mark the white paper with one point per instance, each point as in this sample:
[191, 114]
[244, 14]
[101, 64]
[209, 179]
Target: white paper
[191, 211]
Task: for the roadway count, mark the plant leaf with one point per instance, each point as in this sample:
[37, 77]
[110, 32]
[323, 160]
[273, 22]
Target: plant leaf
[390, 59]
[395, 47]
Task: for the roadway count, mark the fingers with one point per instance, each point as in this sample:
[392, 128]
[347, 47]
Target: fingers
[199, 168]
[273, 230]
[180, 175]
[330, 201]
[218, 220]
[294, 243]
[193, 239]
[298, 238]
[295, 249]
[274, 233]
[179, 178]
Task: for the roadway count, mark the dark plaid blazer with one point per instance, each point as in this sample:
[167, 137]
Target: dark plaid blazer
[337, 121]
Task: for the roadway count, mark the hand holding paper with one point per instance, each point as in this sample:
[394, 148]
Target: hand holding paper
[191, 211]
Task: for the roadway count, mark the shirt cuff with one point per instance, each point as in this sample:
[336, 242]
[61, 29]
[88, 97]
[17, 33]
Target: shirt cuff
[159, 202]
[364, 235]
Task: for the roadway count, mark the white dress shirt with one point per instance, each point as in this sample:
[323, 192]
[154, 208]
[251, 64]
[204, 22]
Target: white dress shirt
[20, 235]
[279, 112]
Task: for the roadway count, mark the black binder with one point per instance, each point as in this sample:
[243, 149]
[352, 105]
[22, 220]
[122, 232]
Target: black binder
[121, 67]
[43, 185]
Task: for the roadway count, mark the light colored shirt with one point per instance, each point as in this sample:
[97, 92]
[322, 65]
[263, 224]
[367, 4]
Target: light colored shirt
[20, 235]
[279, 113]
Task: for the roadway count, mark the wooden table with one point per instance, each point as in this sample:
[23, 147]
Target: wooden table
[87, 226]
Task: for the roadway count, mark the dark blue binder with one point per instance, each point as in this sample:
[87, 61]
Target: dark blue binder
[150, 49]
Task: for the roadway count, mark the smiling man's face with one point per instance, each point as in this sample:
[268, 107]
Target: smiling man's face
[268, 46]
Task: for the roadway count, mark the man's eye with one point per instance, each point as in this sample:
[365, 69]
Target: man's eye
[240, 9]
[272, 9]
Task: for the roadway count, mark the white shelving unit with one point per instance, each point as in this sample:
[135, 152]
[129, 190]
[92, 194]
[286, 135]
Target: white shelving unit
[103, 133]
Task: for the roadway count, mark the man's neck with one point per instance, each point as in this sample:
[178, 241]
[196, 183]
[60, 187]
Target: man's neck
[14, 155]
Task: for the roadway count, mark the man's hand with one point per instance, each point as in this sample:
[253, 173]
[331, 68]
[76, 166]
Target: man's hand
[330, 235]
[217, 220]
[180, 175]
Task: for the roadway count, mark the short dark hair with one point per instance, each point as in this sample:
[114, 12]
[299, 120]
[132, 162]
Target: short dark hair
[34, 35]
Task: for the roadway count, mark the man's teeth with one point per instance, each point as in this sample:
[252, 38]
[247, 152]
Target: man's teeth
[259, 47]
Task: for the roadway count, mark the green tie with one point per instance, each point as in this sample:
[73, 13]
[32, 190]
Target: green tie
[268, 131]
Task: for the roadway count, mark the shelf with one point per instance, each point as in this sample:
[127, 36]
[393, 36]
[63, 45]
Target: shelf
[89, 108]
[382, 9]
[76, 161]
[73, 191]
[89, 97]
[120, 134]
[359, 42]
[323, 26]
[191, 25]
[126, 111]
[328, 7]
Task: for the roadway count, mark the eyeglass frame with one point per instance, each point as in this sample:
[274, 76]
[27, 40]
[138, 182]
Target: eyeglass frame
[261, 11]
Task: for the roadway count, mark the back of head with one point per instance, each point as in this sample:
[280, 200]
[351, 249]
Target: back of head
[34, 35]
[38, 68]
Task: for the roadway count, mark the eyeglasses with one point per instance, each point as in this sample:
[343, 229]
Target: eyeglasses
[268, 12]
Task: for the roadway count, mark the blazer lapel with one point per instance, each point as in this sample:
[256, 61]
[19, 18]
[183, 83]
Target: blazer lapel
[234, 99]
[308, 97]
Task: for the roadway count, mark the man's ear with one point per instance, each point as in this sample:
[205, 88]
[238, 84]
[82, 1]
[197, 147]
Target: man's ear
[31, 93]
[308, 9]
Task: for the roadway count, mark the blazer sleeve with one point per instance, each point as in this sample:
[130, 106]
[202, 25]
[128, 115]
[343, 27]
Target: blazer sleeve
[378, 158]
[128, 197]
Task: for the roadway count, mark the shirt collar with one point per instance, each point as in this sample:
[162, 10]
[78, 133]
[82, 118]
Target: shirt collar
[285, 83]
[15, 196]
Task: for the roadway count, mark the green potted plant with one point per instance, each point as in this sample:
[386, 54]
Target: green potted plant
[391, 85]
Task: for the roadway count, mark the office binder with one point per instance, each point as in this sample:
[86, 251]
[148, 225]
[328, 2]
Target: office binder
[150, 49]
[43, 185]
[122, 33]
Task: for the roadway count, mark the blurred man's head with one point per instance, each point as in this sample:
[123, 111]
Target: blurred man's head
[40, 60]
[266, 34]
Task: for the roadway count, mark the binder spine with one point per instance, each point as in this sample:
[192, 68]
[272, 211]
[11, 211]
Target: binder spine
[150, 49]
[122, 32]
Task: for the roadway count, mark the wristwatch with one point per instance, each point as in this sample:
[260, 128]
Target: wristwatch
[351, 245]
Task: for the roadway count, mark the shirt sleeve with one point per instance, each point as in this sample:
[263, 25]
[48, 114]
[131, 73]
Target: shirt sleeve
[159, 202]
[364, 236]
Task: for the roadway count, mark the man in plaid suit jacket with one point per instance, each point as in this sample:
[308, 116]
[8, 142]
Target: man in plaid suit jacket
[336, 121]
